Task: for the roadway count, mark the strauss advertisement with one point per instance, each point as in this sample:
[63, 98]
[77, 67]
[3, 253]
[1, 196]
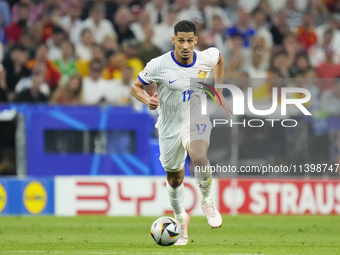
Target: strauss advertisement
[279, 196]
[147, 196]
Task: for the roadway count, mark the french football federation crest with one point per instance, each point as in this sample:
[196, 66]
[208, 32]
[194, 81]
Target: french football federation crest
[202, 74]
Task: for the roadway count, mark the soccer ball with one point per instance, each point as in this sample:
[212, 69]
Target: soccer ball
[165, 231]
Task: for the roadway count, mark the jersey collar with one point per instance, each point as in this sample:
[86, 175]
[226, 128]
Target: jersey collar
[180, 64]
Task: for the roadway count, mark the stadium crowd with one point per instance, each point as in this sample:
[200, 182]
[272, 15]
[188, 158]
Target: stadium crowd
[89, 52]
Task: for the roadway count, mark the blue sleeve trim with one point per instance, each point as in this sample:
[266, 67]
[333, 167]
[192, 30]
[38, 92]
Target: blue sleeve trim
[141, 80]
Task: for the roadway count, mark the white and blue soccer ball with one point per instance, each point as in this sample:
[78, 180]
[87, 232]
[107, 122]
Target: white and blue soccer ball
[165, 231]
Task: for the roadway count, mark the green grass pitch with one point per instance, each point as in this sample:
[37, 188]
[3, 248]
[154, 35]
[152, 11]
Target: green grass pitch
[244, 234]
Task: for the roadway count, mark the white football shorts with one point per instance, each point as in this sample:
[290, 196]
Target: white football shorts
[173, 151]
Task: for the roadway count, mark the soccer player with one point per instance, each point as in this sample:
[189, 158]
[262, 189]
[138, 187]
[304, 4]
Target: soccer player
[182, 128]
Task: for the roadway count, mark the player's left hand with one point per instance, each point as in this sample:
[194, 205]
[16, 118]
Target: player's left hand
[225, 105]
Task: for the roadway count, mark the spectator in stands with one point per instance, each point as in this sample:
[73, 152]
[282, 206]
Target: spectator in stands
[330, 24]
[185, 9]
[213, 9]
[330, 99]
[294, 15]
[291, 46]
[204, 40]
[256, 72]
[49, 20]
[147, 50]
[337, 20]
[206, 10]
[264, 92]
[243, 82]
[14, 30]
[72, 23]
[113, 70]
[5, 13]
[34, 10]
[217, 32]
[33, 94]
[83, 66]
[300, 81]
[35, 33]
[230, 9]
[49, 5]
[266, 54]
[55, 42]
[234, 70]
[95, 89]
[242, 28]
[27, 82]
[52, 75]
[16, 69]
[306, 34]
[137, 27]
[280, 64]
[164, 31]
[279, 27]
[26, 41]
[158, 10]
[131, 53]
[258, 20]
[122, 95]
[265, 7]
[235, 44]
[313, 87]
[99, 26]
[122, 20]
[301, 64]
[319, 12]
[317, 52]
[84, 48]
[66, 65]
[110, 44]
[71, 93]
[328, 69]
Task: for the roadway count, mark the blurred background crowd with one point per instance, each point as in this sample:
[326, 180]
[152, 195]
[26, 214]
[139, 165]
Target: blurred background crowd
[90, 52]
[86, 52]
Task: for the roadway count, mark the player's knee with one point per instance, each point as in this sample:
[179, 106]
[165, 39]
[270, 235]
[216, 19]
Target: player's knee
[175, 181]
[199, 159]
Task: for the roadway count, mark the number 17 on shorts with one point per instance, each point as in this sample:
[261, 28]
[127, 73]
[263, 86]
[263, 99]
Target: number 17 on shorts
[201, 128]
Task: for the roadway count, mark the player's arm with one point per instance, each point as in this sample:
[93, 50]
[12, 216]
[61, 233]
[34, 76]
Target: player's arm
[219, 75]
[138, 92]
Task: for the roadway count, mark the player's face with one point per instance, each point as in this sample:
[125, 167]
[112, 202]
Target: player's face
[184, 44]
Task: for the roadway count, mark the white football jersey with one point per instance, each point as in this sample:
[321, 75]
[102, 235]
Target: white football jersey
[173, 82]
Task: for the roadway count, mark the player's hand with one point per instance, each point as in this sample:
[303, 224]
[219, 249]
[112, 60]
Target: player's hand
[225, 105]
[153, 102]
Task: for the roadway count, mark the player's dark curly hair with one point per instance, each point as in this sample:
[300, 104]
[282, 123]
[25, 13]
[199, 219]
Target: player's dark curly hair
[185, 26]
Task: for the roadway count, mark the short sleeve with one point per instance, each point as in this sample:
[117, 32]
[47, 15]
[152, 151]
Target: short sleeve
[150, 73]
[213, 55]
